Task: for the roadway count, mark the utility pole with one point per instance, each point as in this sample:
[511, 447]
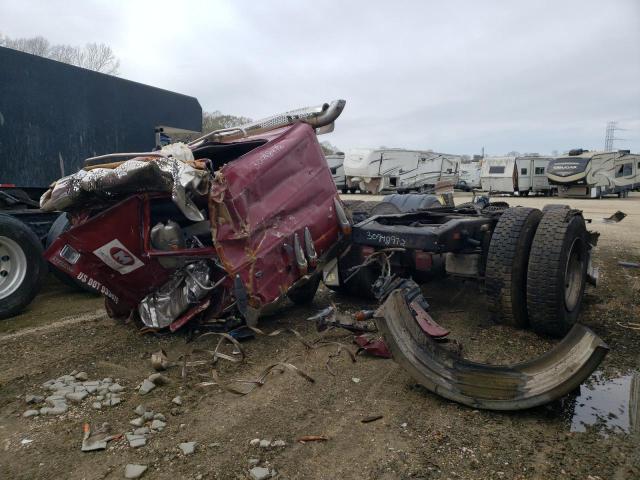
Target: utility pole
[610, 136]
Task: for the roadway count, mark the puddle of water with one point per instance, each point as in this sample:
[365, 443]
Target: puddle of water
[609, 403]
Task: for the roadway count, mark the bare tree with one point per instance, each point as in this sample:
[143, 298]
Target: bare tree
[98, 57]
[216, 120]
[93, 56]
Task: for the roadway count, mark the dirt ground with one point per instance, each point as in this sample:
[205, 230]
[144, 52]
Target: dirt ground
[419, 436]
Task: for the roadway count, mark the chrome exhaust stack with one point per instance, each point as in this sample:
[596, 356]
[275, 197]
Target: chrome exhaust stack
[318, 117]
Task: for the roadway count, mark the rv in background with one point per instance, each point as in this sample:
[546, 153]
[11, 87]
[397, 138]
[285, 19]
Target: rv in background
[510, 174]
[590, 174]
[335, 162]
[395, 169]
[469, 176]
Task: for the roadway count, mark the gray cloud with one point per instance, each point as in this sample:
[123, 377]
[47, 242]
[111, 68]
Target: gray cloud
[452, 76]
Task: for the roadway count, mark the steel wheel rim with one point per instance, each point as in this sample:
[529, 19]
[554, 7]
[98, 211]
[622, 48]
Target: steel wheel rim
[13, 266]
[573, 278]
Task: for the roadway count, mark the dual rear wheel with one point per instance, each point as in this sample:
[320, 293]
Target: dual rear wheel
[536, 268]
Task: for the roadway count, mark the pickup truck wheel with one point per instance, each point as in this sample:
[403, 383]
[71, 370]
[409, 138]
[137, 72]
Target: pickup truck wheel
[557, 272]
[507, 263]
[22, 267]
[304, 294]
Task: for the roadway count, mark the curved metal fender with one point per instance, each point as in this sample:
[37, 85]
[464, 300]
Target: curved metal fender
[491, 387]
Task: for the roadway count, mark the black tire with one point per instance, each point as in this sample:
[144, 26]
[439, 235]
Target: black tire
[303, 295]
[353, 190]
[554, 206]
[507, 263]
[19, 246]
[557, 272]
[58, 227]
[385, 208]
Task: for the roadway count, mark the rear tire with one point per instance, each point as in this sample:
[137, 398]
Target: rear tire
[554, 206]
[557, 272]
[507, 263]
[22, 266]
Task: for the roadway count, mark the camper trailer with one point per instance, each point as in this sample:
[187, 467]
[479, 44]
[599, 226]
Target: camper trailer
[335, 163]
[396, 169]
[590, 174]
[510, 174]
[469, 176]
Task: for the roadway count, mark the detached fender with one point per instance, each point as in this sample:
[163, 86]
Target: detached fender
[492, 387]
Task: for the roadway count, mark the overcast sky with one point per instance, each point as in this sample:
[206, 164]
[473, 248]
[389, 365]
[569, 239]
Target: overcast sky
[451, 76]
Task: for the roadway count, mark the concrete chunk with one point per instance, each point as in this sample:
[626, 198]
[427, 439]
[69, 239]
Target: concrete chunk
[137, 422]
[82, 376]
[112, 401]
[96, 405]
[139, 410]
[33, 398]
[136, 441]
[31, 413]
[116, 388]
[259, 473]
[76, 397]
[177, 400]
[146, 386]
[57, 410]
[134, 471]
[158, 425]
[159, 416]
[142, 431]
[188, 447]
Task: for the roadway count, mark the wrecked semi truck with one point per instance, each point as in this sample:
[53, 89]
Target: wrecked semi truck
[52, 116]
[217, 232]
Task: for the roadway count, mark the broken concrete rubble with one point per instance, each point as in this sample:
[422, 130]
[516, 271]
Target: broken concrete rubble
[260, 473]
[134, 470]
[188, 447]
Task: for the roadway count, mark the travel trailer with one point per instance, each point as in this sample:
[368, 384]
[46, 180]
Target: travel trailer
[590, 174]
[510, 174]
[469, 176]
[396, 169]
[335, 162]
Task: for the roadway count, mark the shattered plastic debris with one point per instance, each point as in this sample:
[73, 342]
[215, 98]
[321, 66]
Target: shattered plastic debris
[615, 218]
[626, 264]
[373, 345]
[312, 438]
[98, 439]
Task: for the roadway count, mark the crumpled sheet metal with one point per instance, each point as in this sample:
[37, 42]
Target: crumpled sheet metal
[259, 201]
[186, 288]
[168, 174]
[492, 387]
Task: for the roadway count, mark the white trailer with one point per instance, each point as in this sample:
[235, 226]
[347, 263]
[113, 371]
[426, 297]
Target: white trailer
[335, 162]
[430, 168]
[396, 169]
[469, 174]
[510, 174]
[590, 174]
[498, 174]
